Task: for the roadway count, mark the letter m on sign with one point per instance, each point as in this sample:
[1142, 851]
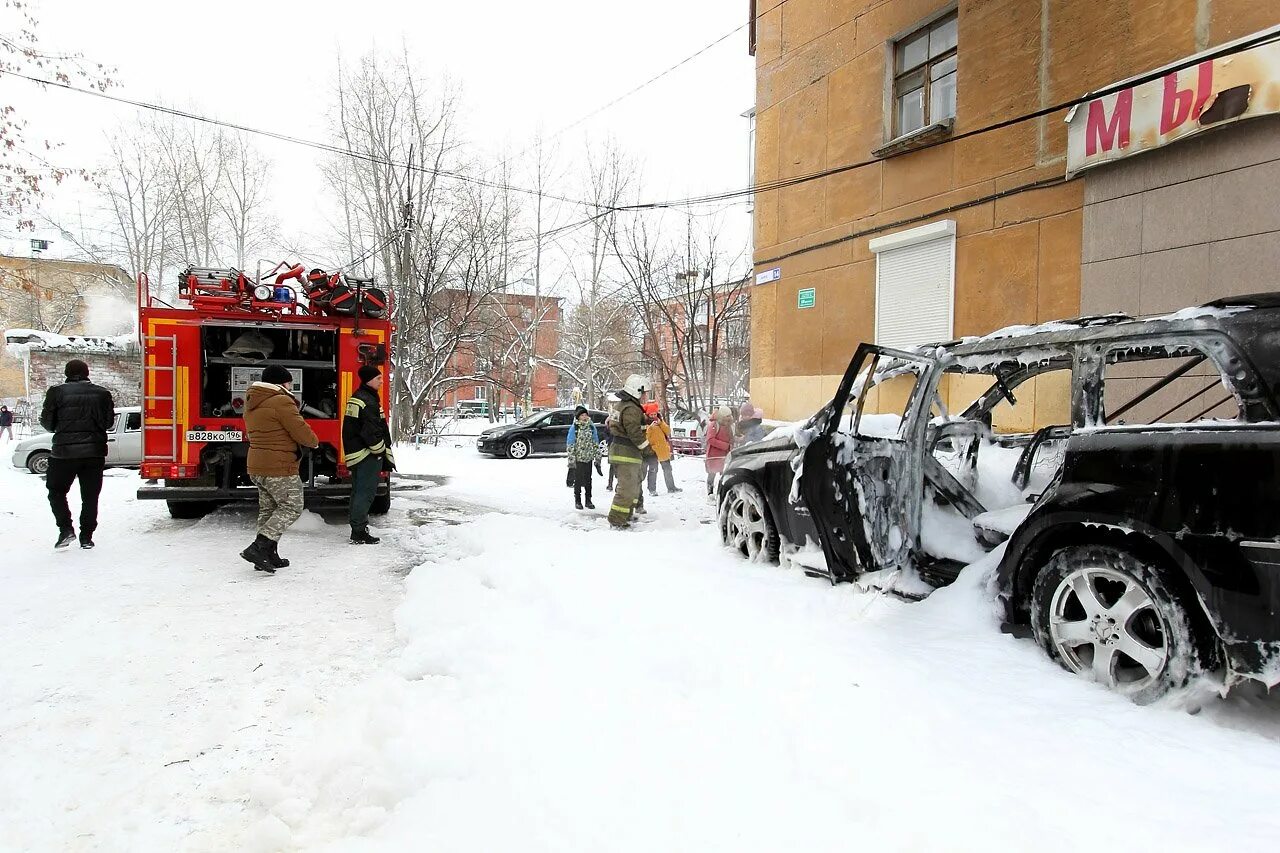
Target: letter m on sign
[1101, 134]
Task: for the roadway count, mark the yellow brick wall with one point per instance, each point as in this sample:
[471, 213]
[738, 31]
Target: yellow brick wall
[821, 69]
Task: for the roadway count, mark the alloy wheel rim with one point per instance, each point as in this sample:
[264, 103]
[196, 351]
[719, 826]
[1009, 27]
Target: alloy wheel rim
[519, 450]
[1103, 622]
[746, 529]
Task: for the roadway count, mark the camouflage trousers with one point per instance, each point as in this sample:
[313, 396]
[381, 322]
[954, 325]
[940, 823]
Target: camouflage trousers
[279, 504]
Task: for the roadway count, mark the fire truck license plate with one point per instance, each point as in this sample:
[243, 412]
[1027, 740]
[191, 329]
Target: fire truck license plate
[219, 435]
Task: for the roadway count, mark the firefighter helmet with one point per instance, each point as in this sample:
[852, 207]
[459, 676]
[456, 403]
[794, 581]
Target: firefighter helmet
[636, 385]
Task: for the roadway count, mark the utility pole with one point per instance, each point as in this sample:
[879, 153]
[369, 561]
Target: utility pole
[537, 286]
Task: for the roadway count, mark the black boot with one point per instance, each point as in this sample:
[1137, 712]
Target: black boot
[273, 556]
[577, 503]
[360, 536]
[65, 538]
[86, 539]
[257, 553]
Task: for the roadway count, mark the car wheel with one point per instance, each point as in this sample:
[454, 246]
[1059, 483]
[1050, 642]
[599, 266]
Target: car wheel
[189, 509]
[381, 505]
[1102, 612]
[518, 449]
[746, 526]
[604, 449]
[38, 462]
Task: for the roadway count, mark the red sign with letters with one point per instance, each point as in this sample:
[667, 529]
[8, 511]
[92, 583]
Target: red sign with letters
[1181, 103]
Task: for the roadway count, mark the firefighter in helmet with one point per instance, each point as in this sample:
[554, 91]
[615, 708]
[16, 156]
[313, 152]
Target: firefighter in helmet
[366, 449]
[628, 451]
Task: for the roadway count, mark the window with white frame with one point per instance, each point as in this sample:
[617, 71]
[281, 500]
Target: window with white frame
[480, 393]
[915, 285]
[924, 76]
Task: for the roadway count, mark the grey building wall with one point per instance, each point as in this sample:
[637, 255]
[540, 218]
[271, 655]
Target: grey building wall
[1185, 224]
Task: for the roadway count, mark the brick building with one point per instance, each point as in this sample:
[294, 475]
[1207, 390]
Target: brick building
[114, 363]
[700, 345]
[939, 235]
[63, 297]
[495, 366]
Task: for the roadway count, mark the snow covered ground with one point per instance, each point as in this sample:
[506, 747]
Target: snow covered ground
[538, 682]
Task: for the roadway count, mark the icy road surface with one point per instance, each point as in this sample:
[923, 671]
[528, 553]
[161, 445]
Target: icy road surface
[540, 683]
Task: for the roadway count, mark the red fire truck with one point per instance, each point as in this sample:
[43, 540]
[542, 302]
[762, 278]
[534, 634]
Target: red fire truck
[200, 357]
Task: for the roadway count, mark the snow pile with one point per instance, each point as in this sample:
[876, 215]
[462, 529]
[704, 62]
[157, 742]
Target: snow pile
[579, 690]
[19, 342]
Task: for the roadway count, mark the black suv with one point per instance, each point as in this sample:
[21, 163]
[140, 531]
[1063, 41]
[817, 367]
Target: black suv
[1129, 469]
[540, 432]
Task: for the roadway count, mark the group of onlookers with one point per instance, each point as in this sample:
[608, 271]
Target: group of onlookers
[640, 446]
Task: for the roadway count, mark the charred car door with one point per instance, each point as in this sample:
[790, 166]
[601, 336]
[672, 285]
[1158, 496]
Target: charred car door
[862, 476]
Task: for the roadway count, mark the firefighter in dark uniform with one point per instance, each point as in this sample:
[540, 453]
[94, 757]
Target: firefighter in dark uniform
[628, 451]
[366, 449]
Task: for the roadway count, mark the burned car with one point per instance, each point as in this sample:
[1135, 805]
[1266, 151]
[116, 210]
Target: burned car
[1129, 469]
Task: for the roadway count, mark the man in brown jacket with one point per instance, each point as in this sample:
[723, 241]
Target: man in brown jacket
[276, 431]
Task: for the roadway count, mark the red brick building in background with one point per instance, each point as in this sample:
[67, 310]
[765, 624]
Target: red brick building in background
[494, 367]
[698, 343]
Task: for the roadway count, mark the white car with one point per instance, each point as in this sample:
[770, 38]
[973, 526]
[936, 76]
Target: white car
[124, 444]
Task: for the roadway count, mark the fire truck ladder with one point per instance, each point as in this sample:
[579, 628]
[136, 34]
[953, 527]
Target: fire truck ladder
[150, 399]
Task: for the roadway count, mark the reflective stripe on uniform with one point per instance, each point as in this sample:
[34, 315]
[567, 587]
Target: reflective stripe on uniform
[624, 509]
[642, 445]
[354, 458]
[378, 448]
[354, 406]
[617, 457]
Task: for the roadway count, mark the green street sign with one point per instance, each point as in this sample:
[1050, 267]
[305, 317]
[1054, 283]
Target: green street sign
[806, 297]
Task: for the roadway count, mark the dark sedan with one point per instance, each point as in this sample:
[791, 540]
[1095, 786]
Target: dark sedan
[540, 432]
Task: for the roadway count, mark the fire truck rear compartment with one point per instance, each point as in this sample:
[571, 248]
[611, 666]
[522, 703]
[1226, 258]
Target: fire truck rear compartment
[233, 357]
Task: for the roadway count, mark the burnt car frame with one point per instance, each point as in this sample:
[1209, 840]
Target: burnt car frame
[1143, 553]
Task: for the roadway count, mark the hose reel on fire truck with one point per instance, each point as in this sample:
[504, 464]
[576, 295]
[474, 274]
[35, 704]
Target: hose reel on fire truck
[344, 295]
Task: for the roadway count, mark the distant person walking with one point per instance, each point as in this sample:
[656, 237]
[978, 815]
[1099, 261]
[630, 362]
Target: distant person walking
[366, 450]
[583, 448]
[276, 432]
[659, 435]
[628, 451]
[719, 443]
[79, 414]
[6, 422]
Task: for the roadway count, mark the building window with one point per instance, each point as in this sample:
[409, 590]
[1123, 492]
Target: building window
[480, 393]
[915, 285]
[924, 76]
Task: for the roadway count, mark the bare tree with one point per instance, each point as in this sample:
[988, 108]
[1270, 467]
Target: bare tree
[692, 302]
[195, 170]
[241, 200]
[454, 308]
[141, 200]
[399, 135]
[25, 168]
[595, 346]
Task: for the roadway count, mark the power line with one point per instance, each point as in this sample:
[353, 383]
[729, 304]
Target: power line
[655, 78]
[284, 137]
[784, 183]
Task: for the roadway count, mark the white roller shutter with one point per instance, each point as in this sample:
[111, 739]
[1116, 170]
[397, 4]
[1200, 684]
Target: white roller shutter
[915, 279]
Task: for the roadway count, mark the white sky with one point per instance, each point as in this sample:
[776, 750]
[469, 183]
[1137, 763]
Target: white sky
[520, 65]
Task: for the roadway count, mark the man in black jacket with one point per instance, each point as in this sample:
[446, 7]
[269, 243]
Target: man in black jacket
[79, 414]
[366, 449]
